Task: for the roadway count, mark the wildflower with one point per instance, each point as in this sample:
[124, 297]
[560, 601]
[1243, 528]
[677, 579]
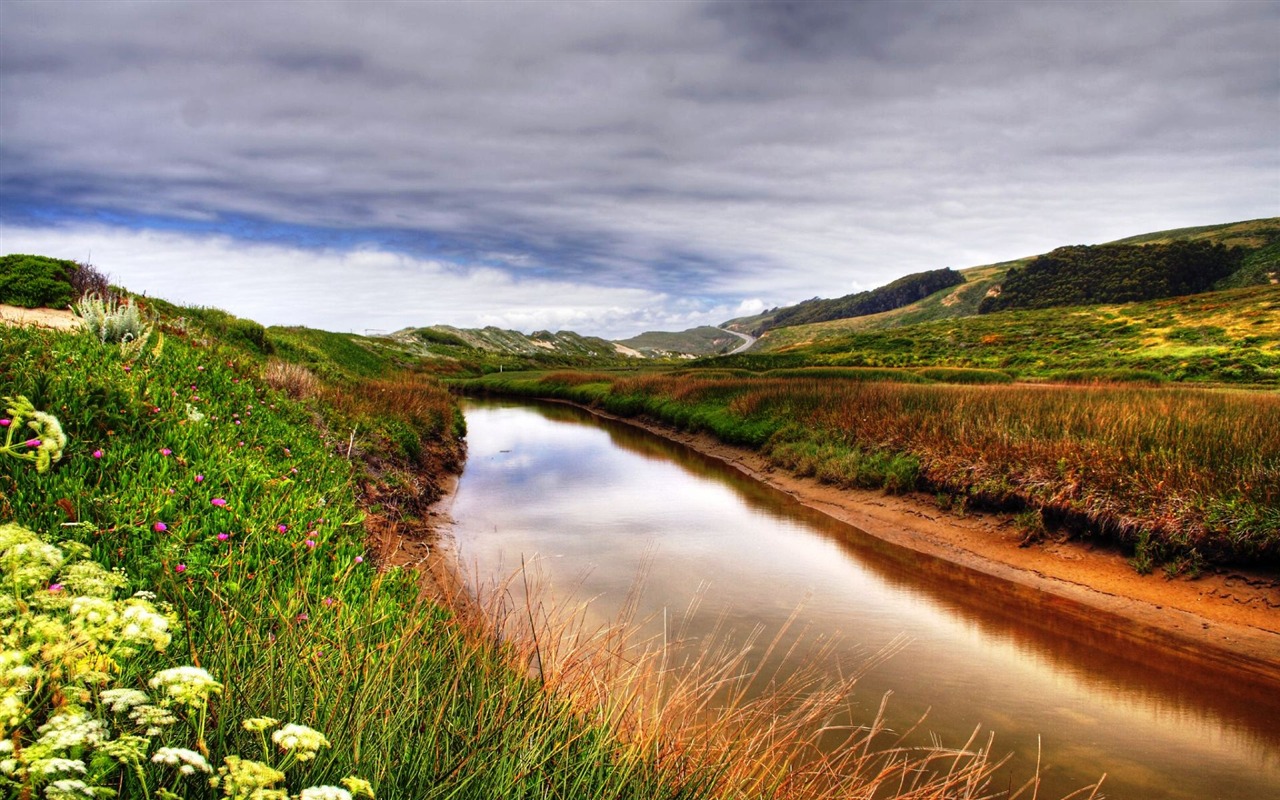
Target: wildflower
[164, 451]
[358, 786]
[218, 501]
[186, 761]
[97, 454]
[55, 587]
[199, 479]
[328, 601]
[303, 617]
[188, 685]
[70, 729]
[359, 559]
[68, 789]
[181, 568]
[311, 543]
[301, 741]
[122, 700]
[240, 777]
[4, 423]
[160, 527]
[57, 766]
[222, 537]
[153, 718]
[259, 724]
[325, 793]
[282, 527]
[32, 443]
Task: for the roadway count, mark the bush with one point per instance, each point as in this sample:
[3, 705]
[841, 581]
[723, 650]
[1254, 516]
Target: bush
[112, 321]
[36, 281]
[294, 380]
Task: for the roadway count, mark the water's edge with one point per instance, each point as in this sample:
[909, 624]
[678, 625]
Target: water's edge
[1249, 655]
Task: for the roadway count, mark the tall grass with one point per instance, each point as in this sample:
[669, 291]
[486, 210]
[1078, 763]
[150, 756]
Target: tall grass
[1187, 475]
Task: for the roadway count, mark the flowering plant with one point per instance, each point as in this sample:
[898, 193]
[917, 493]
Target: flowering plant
[69, 725]
[45, 447]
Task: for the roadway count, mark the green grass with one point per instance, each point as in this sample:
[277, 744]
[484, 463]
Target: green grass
[288, 609]
[1230, 337]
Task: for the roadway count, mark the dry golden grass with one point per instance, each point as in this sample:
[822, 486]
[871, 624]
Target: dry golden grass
[688, 706]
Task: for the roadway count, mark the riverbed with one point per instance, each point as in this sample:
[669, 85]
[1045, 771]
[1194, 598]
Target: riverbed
[596, 504]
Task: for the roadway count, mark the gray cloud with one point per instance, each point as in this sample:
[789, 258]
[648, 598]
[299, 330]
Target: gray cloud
[718, 152]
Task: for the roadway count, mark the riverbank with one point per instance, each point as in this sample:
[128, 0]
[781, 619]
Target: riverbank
[1226, 618]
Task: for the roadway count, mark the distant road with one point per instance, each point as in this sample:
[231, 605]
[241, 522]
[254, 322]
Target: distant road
[747, 341]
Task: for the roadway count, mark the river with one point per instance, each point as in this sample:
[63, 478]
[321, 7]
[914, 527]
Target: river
[596, 503]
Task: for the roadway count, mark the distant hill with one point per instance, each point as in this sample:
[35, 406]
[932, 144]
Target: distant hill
[1259, 241]
[902, 292]
[562, 347]
[1114, 273]
[702, 341]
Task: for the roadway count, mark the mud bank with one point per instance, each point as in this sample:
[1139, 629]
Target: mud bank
[1227, 620]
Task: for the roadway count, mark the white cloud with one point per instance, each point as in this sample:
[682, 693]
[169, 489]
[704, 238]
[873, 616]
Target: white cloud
[356, 290]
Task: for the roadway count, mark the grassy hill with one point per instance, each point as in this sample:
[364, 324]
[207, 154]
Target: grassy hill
[702, 341]
[1228, 336]
[1259, 266]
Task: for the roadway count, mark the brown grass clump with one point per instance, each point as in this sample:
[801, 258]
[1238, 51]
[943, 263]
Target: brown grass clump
[294, 380]
[789, 733]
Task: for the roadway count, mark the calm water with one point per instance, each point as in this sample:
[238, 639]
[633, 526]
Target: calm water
[596, 503]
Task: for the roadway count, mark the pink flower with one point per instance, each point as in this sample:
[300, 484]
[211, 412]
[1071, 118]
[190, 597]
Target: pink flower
[55, 587]
[200, 369]
[199, 479]
[160, 527]
[311, 543]
[303, 617]
[32, 443]
[282, 527]
[222, 537]
[164, 451]
[181, 568]
[4, 423]
[359, 559]
[128, 369]
[97, 454]
[218, 501]
[328, 601]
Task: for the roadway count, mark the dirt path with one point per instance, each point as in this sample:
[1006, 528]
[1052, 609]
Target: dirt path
[56, 319]
[1228, 618]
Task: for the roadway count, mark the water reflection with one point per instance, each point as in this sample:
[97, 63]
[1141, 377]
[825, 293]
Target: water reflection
[598, 500]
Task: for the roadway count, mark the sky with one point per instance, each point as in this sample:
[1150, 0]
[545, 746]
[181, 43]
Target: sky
[613, 167]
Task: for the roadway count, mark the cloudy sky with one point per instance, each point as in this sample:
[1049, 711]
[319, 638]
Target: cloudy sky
[613, 167]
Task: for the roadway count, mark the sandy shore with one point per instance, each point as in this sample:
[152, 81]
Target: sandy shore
[58, 319]
[1227, 619]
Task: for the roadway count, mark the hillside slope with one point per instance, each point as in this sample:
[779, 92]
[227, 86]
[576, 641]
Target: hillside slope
[1259, 266]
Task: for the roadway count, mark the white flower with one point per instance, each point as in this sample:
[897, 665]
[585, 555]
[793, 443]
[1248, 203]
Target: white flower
[300, 740]
[58, 766]
[121, 700]
[324, 793]
[187, 761]
[190, 686]
[154, 718]
[67, 790]
[72, 729]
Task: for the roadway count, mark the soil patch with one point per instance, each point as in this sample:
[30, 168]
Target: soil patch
[56, 319]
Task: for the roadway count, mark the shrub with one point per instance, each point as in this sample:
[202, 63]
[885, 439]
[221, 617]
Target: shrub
[36, 281]
[294, 380]
[112, 321]
[87, 280]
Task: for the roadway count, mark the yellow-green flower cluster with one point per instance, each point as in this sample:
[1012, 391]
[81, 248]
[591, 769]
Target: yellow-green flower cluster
[64, 637]
[47, 442]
